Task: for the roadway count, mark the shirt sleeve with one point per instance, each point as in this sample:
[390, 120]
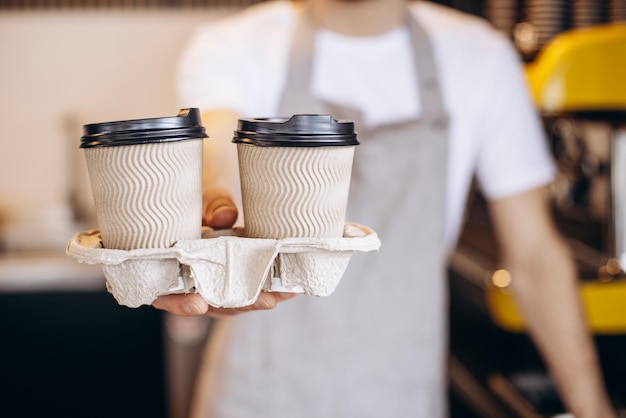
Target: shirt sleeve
[208, 74]
[238, 62]
[513, 155]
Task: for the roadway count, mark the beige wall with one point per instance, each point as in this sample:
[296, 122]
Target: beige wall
[59, 70]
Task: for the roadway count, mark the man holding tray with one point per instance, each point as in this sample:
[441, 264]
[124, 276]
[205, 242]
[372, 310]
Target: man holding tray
[437, 97]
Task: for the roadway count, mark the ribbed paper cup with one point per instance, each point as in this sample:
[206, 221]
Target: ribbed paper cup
[146, 178]
[295, 175]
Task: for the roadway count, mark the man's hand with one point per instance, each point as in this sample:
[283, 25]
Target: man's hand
[193, 304]
[219, 212]
[218, 209]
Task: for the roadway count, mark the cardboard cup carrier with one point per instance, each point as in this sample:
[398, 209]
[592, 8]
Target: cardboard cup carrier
[146, 178]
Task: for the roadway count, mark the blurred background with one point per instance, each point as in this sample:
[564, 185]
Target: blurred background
[69, 350]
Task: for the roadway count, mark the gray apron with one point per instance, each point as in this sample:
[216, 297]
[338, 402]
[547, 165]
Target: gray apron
[377, 346]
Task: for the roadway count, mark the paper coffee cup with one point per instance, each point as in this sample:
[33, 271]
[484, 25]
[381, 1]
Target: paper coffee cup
[146, 178]
[295, 175]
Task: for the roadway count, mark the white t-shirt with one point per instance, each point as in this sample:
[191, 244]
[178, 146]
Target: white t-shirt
[240, 63]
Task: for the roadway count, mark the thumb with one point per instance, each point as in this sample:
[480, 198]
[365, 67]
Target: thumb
[219, 211]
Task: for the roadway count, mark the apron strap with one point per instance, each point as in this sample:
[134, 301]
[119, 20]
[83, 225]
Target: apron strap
[301, 56]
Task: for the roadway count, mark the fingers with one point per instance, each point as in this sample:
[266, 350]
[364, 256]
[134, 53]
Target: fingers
[265, 301]
[182, 305]
[219, 210]
[220, 214]
[269, 300]
[193, 304]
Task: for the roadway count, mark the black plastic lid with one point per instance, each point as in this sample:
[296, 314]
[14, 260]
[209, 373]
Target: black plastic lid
[306, 130]
[186, 125]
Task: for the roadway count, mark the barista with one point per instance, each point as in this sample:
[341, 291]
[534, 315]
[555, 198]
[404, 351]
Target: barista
[438, 97]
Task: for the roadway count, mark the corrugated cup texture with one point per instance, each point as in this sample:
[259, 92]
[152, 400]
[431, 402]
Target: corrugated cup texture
[147, 195]
[294, 191]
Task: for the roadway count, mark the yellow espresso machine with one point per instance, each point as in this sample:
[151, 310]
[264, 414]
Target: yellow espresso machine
[578, 82]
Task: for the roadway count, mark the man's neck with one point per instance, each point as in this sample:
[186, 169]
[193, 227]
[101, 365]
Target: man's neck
[358, 17]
